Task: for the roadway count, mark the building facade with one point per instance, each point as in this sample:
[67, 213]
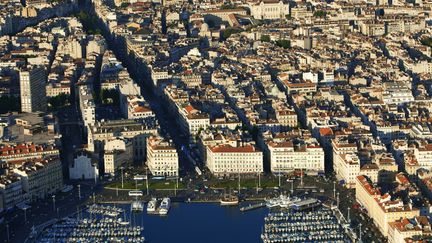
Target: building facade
[32, 87]
[162, 157]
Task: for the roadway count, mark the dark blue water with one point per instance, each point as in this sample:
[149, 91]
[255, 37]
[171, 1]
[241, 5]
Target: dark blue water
[202, 223]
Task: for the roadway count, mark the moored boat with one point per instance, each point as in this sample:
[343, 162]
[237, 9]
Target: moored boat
[165, 206]
[152, 206]
[229, 200]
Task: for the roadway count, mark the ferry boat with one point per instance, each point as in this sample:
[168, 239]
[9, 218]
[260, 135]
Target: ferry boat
[165, 206]
[229, 200]
[137, 206]
[152, 206]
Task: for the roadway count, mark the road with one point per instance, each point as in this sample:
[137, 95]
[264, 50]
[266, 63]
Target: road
[44, 210]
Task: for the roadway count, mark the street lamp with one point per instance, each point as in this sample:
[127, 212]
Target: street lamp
[79, 191]
[348, 217]
[147, 185]
[279, 174]
[53, 198]
[360, 233]
[121, 168]
[334, 189]
[25, 215]
[239, 187]
[337, 200]
[7, 231]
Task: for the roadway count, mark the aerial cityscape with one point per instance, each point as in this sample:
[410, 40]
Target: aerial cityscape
[216, 121]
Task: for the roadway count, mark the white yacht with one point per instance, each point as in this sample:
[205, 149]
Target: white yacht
[137, 206]
[165, 206]
[152, 205]
[281, 201]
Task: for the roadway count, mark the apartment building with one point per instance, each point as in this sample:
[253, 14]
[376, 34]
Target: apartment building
[118, 153]
[138, 131]
[11, 191]
[381, 208]
[269, 9]
[32, 89]
[288, 155]
[162, 157]
[40, 177]
[226, 159]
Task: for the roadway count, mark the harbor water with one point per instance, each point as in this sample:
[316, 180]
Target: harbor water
[202, 222]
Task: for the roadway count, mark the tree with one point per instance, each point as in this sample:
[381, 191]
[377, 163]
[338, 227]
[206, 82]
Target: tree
[9, 104]
[426, 41]
[227, 6]
[229, 31]
[283, 43]
[288, 16]
[124, 5]
[211, 23]
[265, 38]
[110, 96]
[320, 13]
[57, 102]
[254, 132]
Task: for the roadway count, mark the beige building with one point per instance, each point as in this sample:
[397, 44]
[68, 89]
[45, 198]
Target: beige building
[102, 132]
[286, 156]
[21, 152]
[381, 208]
[403, 230]
[54, 89]
[118, 153]
[346, 164]
[162, 157]
[40, 177]
[227, 160]
[269, 9]
[11, 191]
[192, 119]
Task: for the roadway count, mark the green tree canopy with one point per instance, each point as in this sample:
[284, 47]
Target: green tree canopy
[229, 31]
[265, 38]
[320, 13]
[284, 43]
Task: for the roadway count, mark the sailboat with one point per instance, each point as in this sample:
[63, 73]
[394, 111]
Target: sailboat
[229, 200]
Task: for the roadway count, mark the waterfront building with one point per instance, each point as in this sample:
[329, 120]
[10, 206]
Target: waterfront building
[225, 159]
[162, 157]
[382, 209]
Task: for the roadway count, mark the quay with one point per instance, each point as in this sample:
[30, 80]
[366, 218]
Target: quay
[252, 207]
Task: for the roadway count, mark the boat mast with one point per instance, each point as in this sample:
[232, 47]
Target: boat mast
[239, 183]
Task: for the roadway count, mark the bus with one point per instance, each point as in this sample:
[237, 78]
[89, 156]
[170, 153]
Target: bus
[135, 193]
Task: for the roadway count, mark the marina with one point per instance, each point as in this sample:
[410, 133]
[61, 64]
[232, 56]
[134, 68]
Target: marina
[101, 224]
[287, 220]
[317, 225]
[104, 210]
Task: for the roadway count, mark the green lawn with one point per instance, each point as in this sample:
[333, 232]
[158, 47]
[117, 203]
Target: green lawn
[153, 184]
[244, 183]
